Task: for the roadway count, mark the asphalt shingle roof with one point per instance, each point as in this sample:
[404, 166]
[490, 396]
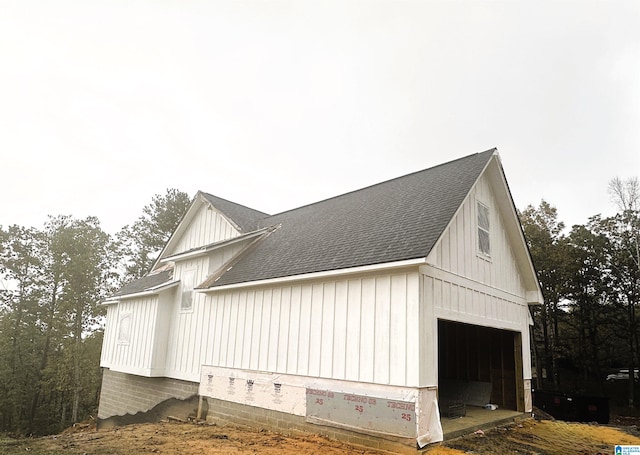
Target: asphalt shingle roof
[144, 283]
[246, 218]
[396, 220]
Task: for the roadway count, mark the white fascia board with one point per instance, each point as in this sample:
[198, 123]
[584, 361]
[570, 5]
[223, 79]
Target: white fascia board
[319, 275]
[184, 221]
[147, 292]
[163, 286]
[530, 320]
[211, 247]
[535, 297]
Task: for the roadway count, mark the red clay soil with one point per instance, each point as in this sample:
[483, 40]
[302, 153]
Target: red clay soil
[526, 437]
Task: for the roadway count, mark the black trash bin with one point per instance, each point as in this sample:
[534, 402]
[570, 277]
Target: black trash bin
[573, 407]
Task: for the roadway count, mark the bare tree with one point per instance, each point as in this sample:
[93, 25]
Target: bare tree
[626, 195]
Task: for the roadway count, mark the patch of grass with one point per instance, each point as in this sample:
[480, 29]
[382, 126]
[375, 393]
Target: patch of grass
[9, 446]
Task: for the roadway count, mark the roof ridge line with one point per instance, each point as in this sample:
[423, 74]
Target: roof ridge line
[493, 150]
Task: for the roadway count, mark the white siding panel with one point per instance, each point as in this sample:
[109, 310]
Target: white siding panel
[464, 303]
[256, 320]
[364, 329]
[188, 328]
[305, 331]
[295, 339]
[340, 331]
[234, 309]
[163, 324]
[461, 235]
[109, 337]
[428, 373]
[208, 226]
[239, 334]
[457, 250]
[181, 358]
[354, 332]
[272, 306]
[413, 331]
[381, 330]
[225, 321]
[263, 300]
[398, 330]
[468, 302]
[274, 297]
[327, 325]
[136, 354]
[207, 341]
[367, 334]
[445, 251]
[315, 339]
[247, 339]
[192, 356]
[284, 329]
[197, 327]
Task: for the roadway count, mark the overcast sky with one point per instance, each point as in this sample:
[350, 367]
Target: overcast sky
[276, 104]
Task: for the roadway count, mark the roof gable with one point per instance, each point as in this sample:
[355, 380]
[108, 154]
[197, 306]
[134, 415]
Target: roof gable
[237, 220]
[396, 220]
[244, 218]
[510, 263]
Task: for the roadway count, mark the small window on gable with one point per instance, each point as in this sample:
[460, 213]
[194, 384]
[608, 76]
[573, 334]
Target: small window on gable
[484, 239]
[186, 295]
[124, 328]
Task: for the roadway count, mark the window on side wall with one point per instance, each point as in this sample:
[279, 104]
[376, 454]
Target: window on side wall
[124, 328]
[186, 294]
[484, 238]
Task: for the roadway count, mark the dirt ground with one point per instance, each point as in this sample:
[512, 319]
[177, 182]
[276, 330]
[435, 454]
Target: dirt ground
[527, 437]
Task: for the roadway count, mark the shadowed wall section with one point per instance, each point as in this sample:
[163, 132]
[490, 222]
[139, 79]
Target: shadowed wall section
[124, 394]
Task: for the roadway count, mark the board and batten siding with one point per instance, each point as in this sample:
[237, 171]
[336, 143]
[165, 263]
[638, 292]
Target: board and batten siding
[110, 335]
[457, 250]
[135, 354]
[207, 226]
[155, 319]
[183, 339]
[359, 329]
[463, 285]
[453, 298]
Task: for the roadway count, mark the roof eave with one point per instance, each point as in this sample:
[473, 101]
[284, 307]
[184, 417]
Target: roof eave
[212, 246]
[318, 275]
[155, 290]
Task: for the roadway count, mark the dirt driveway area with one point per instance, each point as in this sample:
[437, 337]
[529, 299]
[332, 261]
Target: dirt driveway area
[526, 437]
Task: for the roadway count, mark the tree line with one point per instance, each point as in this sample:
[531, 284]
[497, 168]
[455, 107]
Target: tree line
[590, 279]
[51, 283]
[55, 277]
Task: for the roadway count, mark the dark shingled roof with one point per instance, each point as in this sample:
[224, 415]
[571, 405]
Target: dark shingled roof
[245, 218]
[145, 283]
[396, 220]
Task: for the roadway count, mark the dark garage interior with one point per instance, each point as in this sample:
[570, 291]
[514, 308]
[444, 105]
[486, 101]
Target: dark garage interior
[479, 365]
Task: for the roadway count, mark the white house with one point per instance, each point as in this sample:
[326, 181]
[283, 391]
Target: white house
[370, 313]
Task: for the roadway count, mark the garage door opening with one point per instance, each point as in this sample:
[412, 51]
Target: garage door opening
[479, 365]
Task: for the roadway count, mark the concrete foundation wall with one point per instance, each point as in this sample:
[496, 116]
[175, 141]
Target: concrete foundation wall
[127, 395]
[123, 393]
[221, 412]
